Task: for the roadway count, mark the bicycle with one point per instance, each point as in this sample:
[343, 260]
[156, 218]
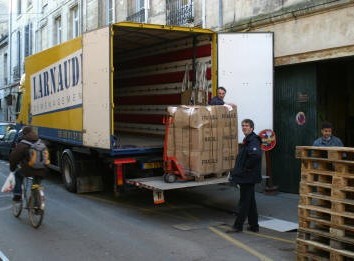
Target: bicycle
[33, 201]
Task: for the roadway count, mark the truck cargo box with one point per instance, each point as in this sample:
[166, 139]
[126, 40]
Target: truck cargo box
[100, 100]
[110, 88]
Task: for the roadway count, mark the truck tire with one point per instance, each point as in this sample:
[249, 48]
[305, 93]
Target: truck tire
[68, 170]
[169, 177]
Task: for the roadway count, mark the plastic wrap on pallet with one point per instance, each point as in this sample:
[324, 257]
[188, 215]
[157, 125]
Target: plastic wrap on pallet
[204, 138]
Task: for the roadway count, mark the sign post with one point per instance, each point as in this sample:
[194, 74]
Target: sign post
[268, 143]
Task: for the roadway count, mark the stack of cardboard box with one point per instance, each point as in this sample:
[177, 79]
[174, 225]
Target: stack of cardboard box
[203, 138]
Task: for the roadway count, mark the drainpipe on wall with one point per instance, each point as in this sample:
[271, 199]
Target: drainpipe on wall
[10, 45]
[146, 7]
[220, 14]
[114, 19]
[203, 13]
[82, 16]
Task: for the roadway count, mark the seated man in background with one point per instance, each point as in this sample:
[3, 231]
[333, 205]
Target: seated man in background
[327, 139]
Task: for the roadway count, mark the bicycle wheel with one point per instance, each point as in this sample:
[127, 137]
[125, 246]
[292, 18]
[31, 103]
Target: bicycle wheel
[17, 208]
[35, 212]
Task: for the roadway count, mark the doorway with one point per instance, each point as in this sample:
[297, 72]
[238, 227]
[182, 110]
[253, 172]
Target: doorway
[335, 96]
[294, 121]
[322, 91]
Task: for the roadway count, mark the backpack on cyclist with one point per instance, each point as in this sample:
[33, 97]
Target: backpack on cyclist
[38, 154]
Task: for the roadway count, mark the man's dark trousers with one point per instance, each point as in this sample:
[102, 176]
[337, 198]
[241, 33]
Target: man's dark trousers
[248, 207]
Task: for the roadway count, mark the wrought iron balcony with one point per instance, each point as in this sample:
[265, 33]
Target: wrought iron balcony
[179, 13]
[138, 17]
[16, 72]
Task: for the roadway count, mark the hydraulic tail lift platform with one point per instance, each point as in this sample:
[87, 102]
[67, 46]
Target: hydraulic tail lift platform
[158, 185]
[172, 168]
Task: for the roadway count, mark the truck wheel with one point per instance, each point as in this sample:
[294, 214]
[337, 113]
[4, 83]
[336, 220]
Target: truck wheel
[169, 177]
[68, 170]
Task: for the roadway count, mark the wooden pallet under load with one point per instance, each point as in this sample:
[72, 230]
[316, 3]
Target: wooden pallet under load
[326, 206]
[210, 176]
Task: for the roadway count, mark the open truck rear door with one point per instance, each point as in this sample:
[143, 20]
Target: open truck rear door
[245, 69]
[97, 88]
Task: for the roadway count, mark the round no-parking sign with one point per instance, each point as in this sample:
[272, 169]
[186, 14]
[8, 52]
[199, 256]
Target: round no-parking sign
[268, 139]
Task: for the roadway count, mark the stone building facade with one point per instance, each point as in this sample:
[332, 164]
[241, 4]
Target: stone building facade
[4, 55]
[35, 25]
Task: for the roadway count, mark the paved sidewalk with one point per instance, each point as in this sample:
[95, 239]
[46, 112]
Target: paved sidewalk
[282, 206]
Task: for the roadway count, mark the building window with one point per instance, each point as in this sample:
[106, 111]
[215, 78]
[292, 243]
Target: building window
[57, 30]
[42, 38]
[29, 3]
[17, 70]
[74, 21]
[110, 11]
[19, 7]
[28, 39]
[44, 6]
[179, 12]
[137, 11]
[5, 69]
[38, 40]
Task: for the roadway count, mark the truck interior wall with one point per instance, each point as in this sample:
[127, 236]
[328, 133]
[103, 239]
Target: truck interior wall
[153, 76]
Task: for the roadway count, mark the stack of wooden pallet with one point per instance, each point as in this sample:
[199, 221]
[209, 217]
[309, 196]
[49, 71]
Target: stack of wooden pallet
[326, 207]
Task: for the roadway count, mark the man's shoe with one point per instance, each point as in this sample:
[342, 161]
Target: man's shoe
[17, 198]
[254, 229]
[233, 230]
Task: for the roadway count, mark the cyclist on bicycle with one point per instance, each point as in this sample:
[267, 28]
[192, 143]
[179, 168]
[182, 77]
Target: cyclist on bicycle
[20, 156]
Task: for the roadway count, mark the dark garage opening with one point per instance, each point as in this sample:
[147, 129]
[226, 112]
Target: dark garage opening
[335, 96]
[322, 91]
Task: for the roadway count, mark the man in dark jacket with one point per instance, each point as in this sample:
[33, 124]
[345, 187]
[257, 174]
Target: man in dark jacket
[247, 173]
[20, 156]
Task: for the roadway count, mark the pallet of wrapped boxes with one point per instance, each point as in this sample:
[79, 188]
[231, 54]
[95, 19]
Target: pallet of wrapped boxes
[203, 139]
[326, 207]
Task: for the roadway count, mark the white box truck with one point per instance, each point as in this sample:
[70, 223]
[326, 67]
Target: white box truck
[99, 100]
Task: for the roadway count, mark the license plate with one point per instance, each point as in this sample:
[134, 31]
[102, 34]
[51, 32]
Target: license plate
[152, 165]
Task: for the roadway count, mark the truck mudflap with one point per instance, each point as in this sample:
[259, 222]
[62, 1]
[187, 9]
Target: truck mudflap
[89, 184]
[158, 185]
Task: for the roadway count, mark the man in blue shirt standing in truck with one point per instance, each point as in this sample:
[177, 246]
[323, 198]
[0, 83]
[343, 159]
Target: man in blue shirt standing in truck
[219, 98]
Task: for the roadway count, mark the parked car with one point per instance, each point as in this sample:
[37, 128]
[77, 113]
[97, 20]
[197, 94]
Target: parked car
[7, 143]
[4, 127]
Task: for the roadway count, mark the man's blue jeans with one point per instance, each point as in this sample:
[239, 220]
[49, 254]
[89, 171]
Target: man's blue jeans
[18, 182]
